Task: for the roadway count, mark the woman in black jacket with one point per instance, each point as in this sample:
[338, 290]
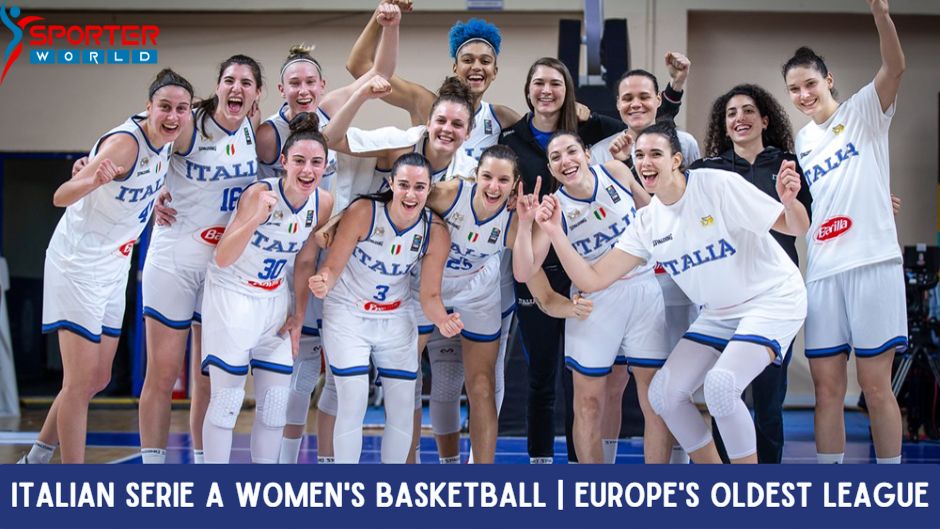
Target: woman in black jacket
[749, 134]
[550, 96]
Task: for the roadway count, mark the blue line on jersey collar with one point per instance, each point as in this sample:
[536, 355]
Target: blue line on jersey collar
[395, 228]
[593, 196]
[473, 193]
[280, 187]
[143, 133]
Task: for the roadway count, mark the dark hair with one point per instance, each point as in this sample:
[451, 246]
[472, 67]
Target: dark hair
[807, 58]
[208, 106]
[568, 117]
[305, 126]
[454, 90]
[502, 152]
[667, 130]
[777, 134]
[411, 159]
[300, 53]
[559, 133]
[167, 77]
[639, 72]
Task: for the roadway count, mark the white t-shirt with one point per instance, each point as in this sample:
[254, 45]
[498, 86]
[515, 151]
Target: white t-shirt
[714, 241]
[846, 162]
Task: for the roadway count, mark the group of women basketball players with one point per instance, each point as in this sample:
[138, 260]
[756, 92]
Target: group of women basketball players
[623, 257]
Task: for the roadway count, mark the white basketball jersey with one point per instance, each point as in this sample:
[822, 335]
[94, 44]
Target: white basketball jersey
[485, 131]
[473, 241]
[847, 165]
[376, 278]
[594, 225]
[714, 241]
[260, 270]
[281, 126]
[461, 165]
[205, 184]
[95, 236]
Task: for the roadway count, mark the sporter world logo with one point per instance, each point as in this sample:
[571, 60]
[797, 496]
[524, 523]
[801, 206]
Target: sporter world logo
[75, 44]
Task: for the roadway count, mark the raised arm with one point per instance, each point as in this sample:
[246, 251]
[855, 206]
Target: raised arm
[622, 174]
[115, 156]
[531, 245]
[794, 220]
[888, 78]
[432, 270]
[254, 207]
[388, 17]
[305, 264]
[412, 97]
[335, 130]
[586, 277]
[351, 229]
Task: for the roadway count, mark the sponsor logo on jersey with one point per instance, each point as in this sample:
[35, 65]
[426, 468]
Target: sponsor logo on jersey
[212, 235]
[395, 249]
[456, 219]
[473, 236]
[266, 285]
[309, 222]
[576, 224]
[247, 135]
[278, 215]
[126, 248]
[804, 153]
[662, 240]
[293, 227]
[375, 306]
[707, 220]
[833, 228]
[614, 195]
[600, 213]
[416, 243]
[487, 126]
[659, 269]
[203, 148]
[494, 236]
[838, 128]
[379, 232]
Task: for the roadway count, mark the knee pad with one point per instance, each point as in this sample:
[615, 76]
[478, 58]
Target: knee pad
[446, 381]
[298, 404]
[305, 376]
[419, 385]
[327, 403]
[224, 406]
[721, 395]
[274, 410]
[657, 391]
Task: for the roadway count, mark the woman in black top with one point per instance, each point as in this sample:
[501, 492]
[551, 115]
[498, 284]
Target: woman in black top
[550, 96]
[749, 133]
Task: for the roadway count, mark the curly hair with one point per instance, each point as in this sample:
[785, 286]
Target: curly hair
[474, 29]
[778, 133]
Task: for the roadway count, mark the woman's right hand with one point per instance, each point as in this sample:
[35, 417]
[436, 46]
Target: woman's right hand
[548, 215]
[527, 205]
[162, 211]
[319, 284]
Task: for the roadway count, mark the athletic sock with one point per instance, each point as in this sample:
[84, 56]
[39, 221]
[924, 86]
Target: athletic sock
[888, 460]
[452, 460]
[610, 451]
[830, 459]
[678, 456]
[199, 456]
[290, 449]
[39, 454]
[153, 456]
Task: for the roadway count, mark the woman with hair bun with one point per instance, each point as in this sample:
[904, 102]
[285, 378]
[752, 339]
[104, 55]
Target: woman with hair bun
[108, 204]
[246, 311]
[303, 87]
[854, 275]
[214, 159]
